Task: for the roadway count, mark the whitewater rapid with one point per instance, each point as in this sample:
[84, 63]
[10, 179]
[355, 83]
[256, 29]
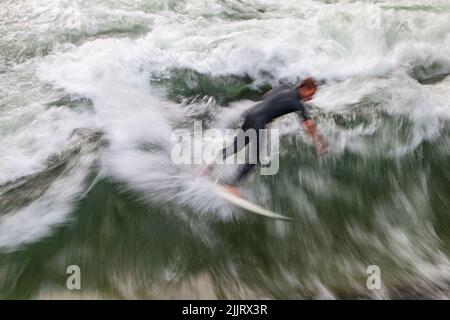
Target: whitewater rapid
[67, 65]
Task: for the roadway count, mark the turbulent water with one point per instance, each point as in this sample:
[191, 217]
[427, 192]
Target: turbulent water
[91, 92]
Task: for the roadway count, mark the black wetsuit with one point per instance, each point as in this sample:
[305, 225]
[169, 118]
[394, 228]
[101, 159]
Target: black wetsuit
[279, 101]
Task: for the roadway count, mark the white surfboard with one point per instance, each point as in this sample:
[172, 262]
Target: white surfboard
[247, 205]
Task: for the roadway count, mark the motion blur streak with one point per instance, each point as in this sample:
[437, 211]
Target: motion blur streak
[90, 93]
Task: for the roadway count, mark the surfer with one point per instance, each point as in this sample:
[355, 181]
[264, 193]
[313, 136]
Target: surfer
[277, 102]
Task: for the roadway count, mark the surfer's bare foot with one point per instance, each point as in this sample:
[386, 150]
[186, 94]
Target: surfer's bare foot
[234, 190]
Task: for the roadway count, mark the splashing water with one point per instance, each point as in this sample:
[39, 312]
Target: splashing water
[126, 74]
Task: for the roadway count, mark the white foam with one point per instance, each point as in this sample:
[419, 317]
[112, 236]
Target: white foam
[37, 219]
[364, 49]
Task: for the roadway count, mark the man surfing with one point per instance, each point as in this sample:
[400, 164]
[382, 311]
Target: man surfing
[276, 103]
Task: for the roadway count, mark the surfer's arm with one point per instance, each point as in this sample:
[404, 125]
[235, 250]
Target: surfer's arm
[311, 129]
[275, 91]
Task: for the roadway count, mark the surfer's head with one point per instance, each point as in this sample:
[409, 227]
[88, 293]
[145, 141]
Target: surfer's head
[307, 88]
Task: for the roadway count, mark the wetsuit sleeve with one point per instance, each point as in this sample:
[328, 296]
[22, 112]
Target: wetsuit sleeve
[303, 113]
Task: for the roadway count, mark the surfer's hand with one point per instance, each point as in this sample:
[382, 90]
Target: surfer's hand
[319, 141]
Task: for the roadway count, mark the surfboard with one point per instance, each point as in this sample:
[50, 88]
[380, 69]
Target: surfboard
[247, 205]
